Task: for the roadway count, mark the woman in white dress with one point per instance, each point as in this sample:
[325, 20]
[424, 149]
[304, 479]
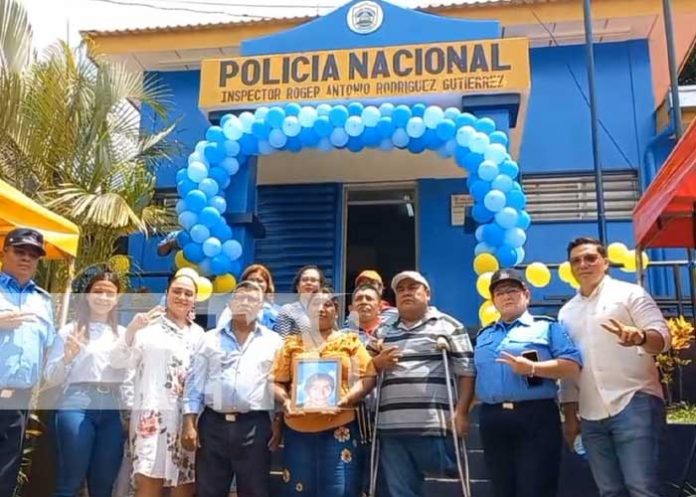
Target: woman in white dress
[159, 345]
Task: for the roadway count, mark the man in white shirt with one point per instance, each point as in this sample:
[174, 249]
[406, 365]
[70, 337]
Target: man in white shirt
[617, 399]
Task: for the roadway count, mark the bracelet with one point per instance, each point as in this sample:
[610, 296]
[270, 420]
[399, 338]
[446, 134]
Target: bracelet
[533, 373]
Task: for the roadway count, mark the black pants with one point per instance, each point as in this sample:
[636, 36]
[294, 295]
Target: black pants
[522, 448]
[230, 448]
[13, 423]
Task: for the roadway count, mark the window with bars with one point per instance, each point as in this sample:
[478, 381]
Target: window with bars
[574, 197]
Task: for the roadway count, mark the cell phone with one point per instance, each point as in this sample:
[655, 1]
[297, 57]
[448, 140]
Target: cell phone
[532, 355]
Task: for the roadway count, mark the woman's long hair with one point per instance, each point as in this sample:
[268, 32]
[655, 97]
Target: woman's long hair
[83, 313]
[298, 276]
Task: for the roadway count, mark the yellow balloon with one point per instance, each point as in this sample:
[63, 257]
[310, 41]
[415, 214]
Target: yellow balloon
[617, 252]
[225, 283]
[574, 284]
[181, 262]
[485, 263]
[482, 284]
[629, 262]
[187, 271]
[120, 263]
[205, 289]
[538, 274]
[565, 273]
[488, 313]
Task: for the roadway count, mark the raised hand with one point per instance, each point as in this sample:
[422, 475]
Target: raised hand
[628, 335]
[14, 319]
[520, 365]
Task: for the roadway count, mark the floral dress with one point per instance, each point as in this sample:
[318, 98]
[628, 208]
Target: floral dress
[161, 354]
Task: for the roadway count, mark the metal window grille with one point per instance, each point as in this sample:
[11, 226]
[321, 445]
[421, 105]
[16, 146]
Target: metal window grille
[574, 197]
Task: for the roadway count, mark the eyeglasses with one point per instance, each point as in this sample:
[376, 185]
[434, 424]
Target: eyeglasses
[588, 258]
[513, 291]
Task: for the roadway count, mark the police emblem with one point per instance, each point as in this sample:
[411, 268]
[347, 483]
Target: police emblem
[365, 17]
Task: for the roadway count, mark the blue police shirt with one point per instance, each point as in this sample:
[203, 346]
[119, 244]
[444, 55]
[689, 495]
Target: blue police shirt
[22, 348]
[497, 382]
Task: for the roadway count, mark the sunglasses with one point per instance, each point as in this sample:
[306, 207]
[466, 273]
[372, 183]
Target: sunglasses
[588, 258]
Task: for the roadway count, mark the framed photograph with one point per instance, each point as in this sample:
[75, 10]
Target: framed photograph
[316, 384]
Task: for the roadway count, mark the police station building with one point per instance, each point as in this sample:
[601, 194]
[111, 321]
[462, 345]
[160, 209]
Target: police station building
[389, 192]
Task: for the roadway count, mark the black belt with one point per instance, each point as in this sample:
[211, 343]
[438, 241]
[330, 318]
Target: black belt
[520, 404]
[232, 416]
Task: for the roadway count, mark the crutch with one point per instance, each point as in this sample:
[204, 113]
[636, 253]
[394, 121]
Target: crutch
[443, 345]
[374, 450]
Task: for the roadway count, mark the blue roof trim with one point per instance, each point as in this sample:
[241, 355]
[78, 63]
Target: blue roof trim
[400, 27]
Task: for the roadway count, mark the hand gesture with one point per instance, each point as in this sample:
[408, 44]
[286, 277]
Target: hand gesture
[144, 319]
[387, 358]
[520, 365]
[629, 336]
[14, 319]
[72, 347]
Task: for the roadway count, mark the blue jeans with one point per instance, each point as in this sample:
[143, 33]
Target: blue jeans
[405, 460]
[89, 442]
[322, 464]
[624, 450]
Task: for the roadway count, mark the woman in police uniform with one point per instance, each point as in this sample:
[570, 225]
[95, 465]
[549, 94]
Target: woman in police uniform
[517, 361]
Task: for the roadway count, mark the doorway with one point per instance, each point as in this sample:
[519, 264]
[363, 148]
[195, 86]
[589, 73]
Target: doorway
[380, 232]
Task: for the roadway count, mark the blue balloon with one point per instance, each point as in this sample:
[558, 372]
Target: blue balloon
[516, 199]
[479, 190]
[294, 144]
[307, 116]
[483, 248]
[386, 109]
[220, 264]
[181, 174]
[261, 112]
[471, 179]
[385, 127]
[204, 268]
[485, 125]
[523, 220]
[224, 119]
[338, 115]
[323, 126]
[233, 129]
[208, 217]
[431, 140]
[493, 234]
[218, 173]
[494, 200]
[445, 129]
[460, 157]
[292, 109]
[232, 249]
[516, 186]
[187, 219]
[452, 113]
[386, 145]
[182, 238]
[499, 137]
[260, 129]
[323, 109]
[214, 153]
[355, 144]
[418, 110]
[481, 214]
[291, 126]
[185, 186]
[200, 147]
[415, 128]
[277, 139]
[195, 200]
[479, 233]
[354, 126]
[520, 255]
[495, 152]
[214, 134]
[231, 148]
[506, 256]
[370, 116]
[212, 247]
[235, 269]
[506, 217]
[247, 119]
[221, 231]
[433, 116]
[308, 137]
[195, 157]
[193, 252]
[218, 203]
[275, 117]
[180, 206]
[464, 135]
[401, 115]
[324, 145]
[400, 139]
[502, 183]
[230, 165]
[370, 137]
[199, 233]
[515, 237]
[509, 168]
[487, 170]
[355, 108]
[472, 161]
[416, 145]
[479, 143]
[339, 138]
[197, 171]
[209, 186]
[465, 119]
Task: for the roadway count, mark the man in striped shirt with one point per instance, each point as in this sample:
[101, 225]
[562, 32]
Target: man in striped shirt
[414, 417]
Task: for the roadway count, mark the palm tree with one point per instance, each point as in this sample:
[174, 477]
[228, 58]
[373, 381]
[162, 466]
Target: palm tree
[70, 138]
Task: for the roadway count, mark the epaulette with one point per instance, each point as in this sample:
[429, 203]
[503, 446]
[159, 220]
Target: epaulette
[548, 319]
[485, 328]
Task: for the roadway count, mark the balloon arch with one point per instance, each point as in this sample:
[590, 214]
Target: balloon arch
[475, 145]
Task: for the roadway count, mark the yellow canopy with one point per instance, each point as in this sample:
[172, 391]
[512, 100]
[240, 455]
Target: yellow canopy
[17, 210]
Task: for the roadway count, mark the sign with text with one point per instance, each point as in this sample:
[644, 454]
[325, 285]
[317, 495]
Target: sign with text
[486, 66]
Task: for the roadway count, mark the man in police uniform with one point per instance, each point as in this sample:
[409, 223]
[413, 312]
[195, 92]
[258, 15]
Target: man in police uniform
[517, 362]
[26, 330]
